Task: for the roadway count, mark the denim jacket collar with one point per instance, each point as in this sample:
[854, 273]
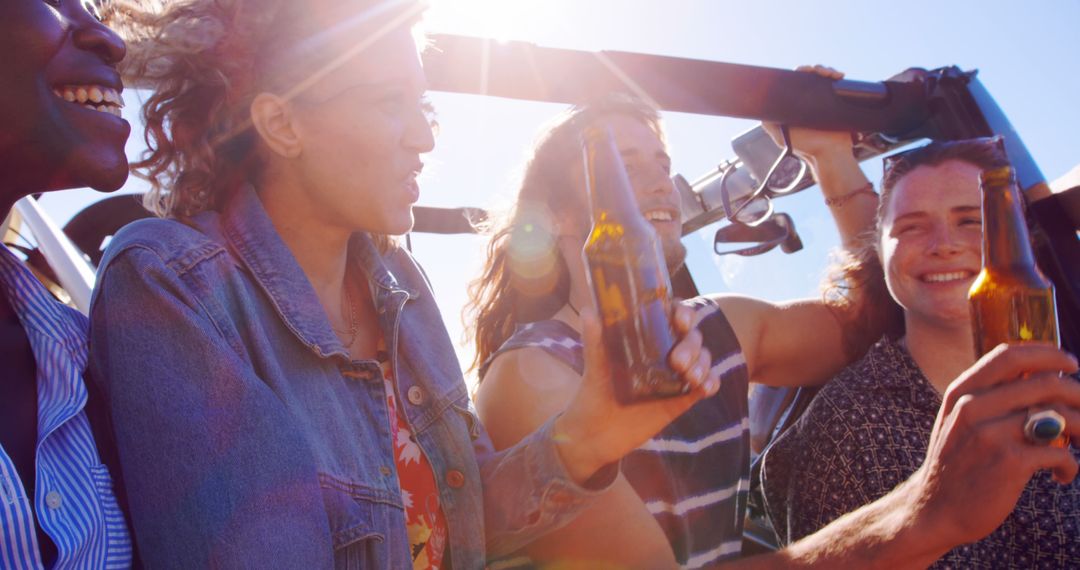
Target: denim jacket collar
[364, 252]
[257, 244]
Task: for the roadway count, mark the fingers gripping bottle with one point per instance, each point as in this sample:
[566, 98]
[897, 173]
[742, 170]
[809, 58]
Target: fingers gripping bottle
[1011, 300]
[629, 279]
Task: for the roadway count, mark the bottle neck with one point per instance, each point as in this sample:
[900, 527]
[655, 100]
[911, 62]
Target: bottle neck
[1006, 241]
[611, 197]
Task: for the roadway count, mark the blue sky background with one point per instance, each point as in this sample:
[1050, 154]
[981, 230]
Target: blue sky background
[1027, 54]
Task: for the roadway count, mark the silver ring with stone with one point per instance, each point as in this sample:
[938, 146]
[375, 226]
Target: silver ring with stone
[1043, 427]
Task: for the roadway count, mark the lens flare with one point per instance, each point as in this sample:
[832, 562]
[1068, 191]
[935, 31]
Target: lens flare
[497, 19]
[533, 255]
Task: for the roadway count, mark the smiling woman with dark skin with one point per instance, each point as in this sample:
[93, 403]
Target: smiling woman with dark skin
[59, 108]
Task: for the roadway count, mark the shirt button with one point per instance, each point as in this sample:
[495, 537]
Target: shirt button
[455, 478]
[415, 395]
[53, 500]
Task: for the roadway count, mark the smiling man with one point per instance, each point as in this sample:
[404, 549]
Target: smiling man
[61, 129]
[675, 502]
[680, 499]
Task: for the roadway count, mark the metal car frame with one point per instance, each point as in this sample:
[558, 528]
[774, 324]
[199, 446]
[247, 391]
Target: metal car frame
[940, 104]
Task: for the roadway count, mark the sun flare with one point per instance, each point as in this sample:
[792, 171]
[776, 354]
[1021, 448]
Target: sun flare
[497, 19]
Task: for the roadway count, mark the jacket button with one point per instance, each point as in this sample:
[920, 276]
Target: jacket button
[455, 478]
[415, 395]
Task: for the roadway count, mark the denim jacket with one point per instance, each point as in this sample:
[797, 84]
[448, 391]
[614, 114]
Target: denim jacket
[249, 438]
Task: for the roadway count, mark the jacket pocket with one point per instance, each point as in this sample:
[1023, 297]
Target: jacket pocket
[358, 538]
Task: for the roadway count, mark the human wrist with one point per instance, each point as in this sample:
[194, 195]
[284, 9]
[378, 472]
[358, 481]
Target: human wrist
[889, 534]
[836, 171]
[865, 190]
[914, 541]
[576, 450]
[827, 156]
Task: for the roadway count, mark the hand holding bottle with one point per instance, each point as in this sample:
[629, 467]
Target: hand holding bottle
[596, 430]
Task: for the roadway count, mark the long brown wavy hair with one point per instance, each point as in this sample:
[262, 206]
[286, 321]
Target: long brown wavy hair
[206, 60]
[856, 287]
[524, 278]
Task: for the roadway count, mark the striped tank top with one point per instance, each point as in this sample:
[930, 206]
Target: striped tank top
[692, 476]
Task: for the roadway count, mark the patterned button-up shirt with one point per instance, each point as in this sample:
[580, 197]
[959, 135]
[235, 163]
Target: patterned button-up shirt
[866, 432]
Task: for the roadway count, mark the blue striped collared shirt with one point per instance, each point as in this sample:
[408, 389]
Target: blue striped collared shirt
[74, 500]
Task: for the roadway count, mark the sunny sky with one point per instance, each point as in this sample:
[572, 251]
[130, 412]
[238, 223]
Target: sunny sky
[1027, 54]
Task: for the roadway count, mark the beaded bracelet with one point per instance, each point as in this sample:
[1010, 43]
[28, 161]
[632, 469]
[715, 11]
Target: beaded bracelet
[838, 201]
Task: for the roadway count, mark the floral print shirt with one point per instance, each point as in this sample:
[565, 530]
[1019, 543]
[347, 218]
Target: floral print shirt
[424, 517]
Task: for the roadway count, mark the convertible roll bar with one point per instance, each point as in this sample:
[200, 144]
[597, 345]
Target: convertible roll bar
[942, 104]
[521, 70]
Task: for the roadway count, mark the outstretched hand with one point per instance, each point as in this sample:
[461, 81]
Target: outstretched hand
[596, 430]
[978, 461]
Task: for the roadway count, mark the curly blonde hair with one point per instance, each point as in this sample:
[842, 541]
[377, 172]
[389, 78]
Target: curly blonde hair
[206, 60]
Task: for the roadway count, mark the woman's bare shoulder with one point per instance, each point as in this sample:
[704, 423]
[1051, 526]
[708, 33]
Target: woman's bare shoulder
[521, 390]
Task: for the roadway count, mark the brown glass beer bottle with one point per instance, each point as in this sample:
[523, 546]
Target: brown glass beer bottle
[1011, 300]
[629, 279]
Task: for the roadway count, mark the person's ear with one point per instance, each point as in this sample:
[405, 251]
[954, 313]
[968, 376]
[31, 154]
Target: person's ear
[273, 119]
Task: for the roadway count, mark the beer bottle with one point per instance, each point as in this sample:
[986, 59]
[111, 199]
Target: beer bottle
[1011, 300]
[629, 279]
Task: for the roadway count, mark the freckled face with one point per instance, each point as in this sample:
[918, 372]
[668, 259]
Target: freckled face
[931, 241]
[60, 99]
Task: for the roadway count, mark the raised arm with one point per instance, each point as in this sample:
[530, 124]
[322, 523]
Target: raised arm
[847, 192]
[800, 342]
